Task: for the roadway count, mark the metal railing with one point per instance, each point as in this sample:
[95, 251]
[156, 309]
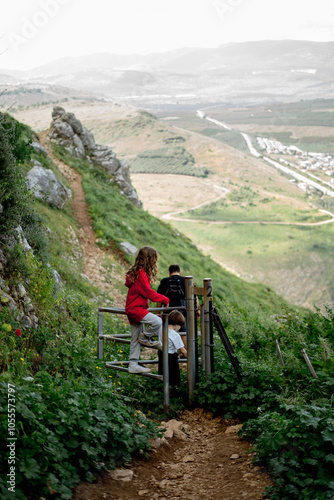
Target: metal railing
[192, 360]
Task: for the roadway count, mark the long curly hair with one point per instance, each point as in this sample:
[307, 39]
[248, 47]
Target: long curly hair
[146, 259]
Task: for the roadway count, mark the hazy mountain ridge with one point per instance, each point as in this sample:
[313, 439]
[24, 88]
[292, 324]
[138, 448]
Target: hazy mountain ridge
[242, 72]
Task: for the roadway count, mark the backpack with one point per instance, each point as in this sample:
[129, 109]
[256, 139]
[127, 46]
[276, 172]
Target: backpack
[175, 293]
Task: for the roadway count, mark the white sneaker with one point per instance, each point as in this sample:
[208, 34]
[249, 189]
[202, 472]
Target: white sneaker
[149, 342]
[135, 367]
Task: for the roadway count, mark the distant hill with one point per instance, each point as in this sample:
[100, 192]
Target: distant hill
[245, 73]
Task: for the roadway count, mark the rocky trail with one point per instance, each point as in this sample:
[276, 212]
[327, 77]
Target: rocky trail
[199, 457]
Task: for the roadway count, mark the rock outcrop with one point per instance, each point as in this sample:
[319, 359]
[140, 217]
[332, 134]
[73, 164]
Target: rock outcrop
[68, 131]
[128, 248]
[17, 300]
[45, 186]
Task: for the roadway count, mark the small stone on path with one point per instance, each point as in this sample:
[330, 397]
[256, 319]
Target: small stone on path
[121, 475]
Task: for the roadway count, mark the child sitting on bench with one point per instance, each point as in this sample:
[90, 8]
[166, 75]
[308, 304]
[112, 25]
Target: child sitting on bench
[175, 322]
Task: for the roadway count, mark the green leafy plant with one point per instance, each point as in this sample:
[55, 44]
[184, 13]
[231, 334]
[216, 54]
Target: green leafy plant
[63, 428]
[297, 444]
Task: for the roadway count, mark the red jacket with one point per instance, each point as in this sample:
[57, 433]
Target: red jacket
[140, 292]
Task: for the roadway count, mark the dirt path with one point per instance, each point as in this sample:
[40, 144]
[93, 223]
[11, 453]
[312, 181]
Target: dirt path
[203, 462]
[156, 196]
[94, 256]
[171, 215]
[261, 222]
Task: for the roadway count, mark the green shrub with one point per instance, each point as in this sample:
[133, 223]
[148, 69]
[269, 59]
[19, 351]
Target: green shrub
[224, 394]
[13, 191]
[66, 428]
[297, 444]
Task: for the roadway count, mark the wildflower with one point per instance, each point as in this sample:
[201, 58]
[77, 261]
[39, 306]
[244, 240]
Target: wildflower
[21, 359]
[18, 332]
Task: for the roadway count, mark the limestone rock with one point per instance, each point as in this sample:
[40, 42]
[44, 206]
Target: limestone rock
[73, 122]
[38, 148]
[27, 322]
[121, 475]
[45, 186]
[36, 163]
[57, 112]
[8, 300]
[142, 493]
[85, 277]
[128, 248]
[158, 442]
[79, 149]
[3, 285]
[87, 138]
[63, 129]
[57, 278]
[174, 428]
[233, 429]
[22, 239]
[180, 435]
[68, 131]
[21, 290]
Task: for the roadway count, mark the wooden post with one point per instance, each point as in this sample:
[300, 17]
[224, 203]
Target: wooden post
[191, 351]
[308, 362]
[279, 354]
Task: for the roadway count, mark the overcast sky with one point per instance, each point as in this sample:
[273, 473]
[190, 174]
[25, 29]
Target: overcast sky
[34, 32]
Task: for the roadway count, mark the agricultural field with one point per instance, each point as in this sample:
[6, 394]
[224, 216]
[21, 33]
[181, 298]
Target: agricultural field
[306, 124]
[170, 160]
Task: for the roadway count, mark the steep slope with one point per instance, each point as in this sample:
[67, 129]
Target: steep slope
[96, 260]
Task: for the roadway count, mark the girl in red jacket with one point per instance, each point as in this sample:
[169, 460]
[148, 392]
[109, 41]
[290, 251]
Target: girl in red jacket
[138, 280]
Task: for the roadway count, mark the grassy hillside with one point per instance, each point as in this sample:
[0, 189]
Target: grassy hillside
[73, 418]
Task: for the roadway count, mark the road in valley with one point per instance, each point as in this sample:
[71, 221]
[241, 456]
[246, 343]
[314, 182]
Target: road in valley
[254, 152]
[225, 191]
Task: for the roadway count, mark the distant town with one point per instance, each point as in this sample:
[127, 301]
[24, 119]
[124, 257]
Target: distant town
[306, 162]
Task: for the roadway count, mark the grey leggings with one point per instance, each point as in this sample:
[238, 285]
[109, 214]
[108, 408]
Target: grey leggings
[153, 326]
